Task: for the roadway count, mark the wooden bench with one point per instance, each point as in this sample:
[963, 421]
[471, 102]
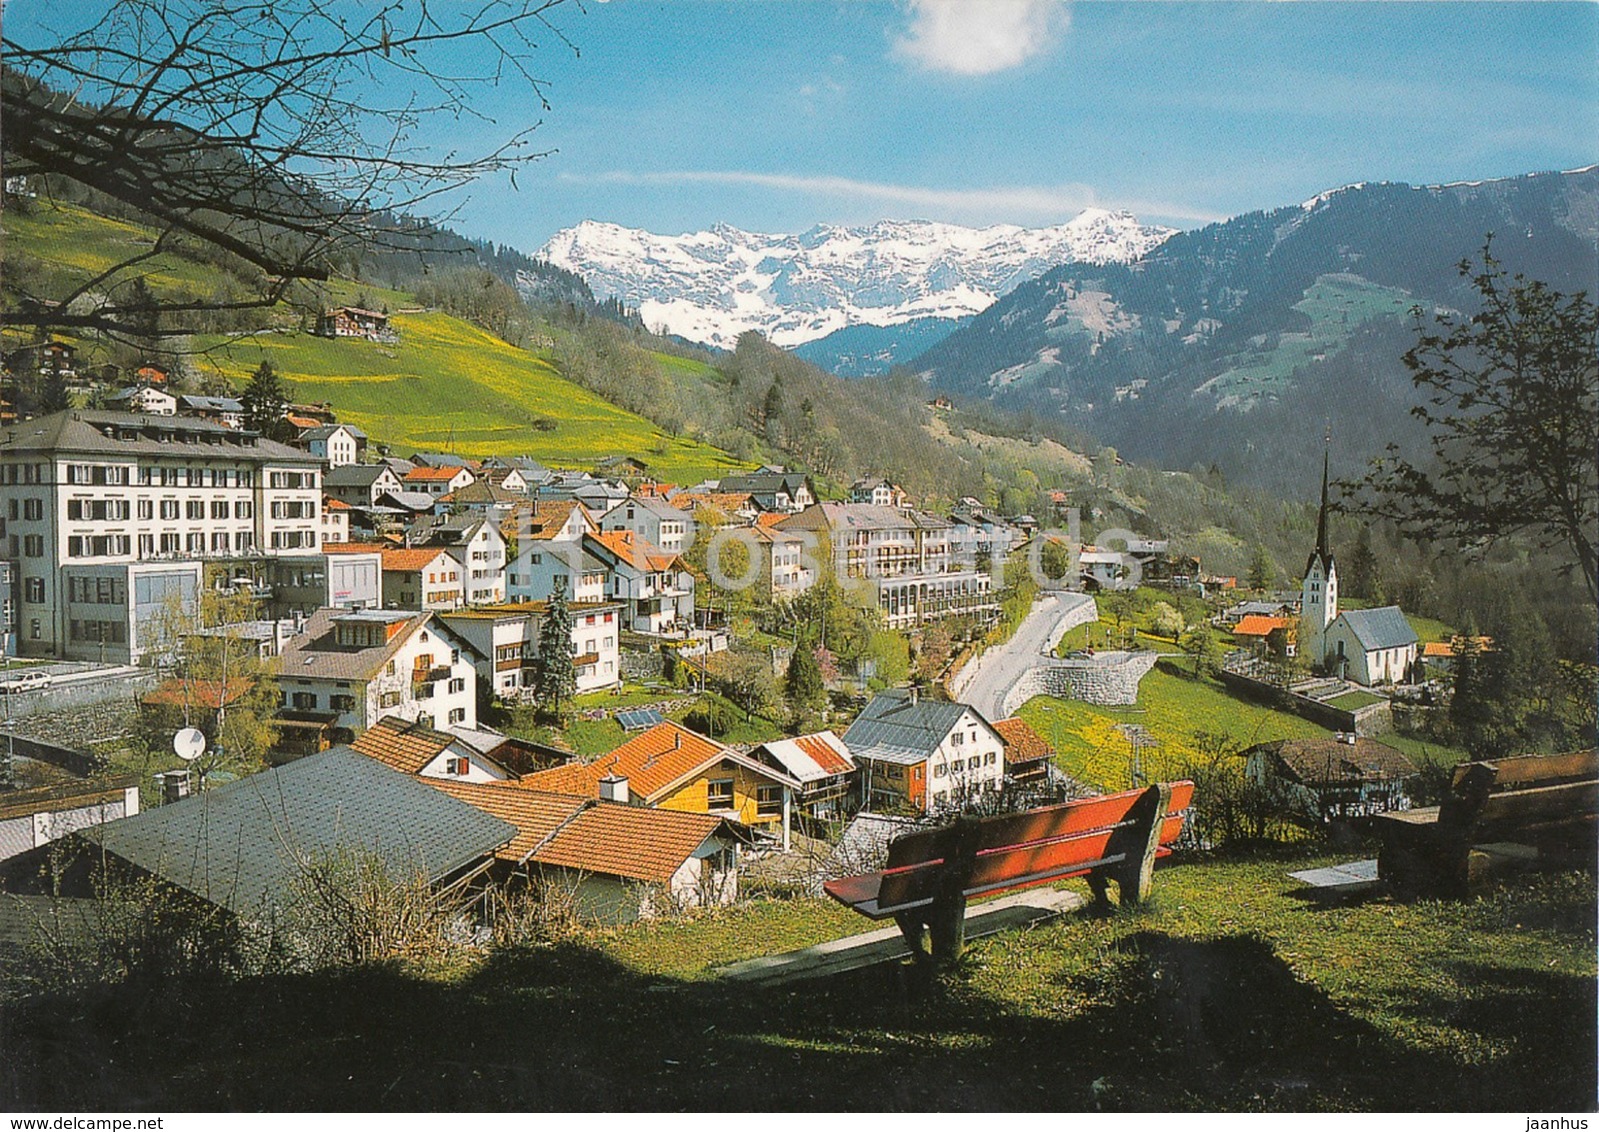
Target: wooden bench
[931, 874]
[1526, 811]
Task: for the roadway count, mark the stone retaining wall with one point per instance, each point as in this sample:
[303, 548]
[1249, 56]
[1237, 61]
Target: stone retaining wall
[1102, 680]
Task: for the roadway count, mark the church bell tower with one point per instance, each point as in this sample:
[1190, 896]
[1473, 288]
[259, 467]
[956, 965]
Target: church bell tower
[1318, 593]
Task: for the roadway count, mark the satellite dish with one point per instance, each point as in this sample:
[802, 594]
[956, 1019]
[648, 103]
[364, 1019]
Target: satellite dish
[189, 744]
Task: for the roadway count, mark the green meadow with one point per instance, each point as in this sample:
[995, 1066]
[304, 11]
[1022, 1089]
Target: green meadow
[449, 385]
[1173, 709]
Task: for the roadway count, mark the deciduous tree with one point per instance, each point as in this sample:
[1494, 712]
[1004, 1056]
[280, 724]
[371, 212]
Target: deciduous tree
[1511, 395]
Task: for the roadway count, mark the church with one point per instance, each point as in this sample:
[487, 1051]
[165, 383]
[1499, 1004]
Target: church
[1368, 646]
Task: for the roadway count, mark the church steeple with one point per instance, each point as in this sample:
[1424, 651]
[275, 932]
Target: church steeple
[1321, 550]
[1318, 593]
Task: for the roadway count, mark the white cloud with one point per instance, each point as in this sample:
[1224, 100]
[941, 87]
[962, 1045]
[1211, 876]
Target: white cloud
[980, 37]
[1012, 204]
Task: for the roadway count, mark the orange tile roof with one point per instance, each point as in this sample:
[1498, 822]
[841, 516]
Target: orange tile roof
[1259, 625]
[641, 554]
[822, 754]
[331, 504]
[1446, 649]
[303, 422]
[770, 518]
[583, 833]
[407, 747]
[428, 473]
[1022, 743]
[650, 761]
[355, 548]
[629, 841]
[535, 813]
[413, 559]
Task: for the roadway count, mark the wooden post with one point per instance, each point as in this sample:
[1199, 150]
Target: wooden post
[1136, 843]
[946, 919]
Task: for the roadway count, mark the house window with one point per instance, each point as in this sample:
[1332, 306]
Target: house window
[957, 739]
[304, 701]
[389, 699]
[457, 685]
[458, 715]
[768, 801]
[940, 770]
[33, 591]
[461, 767]
[719, 793]
[342, 702]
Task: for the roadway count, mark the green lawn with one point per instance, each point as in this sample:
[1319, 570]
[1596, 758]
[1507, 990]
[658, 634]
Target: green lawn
[1353, 701]
[1227, 992]
[1173, 709]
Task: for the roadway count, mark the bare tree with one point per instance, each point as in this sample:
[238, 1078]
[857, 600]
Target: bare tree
[281, 135]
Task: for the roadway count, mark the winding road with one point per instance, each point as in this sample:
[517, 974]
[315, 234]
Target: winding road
[998, 669]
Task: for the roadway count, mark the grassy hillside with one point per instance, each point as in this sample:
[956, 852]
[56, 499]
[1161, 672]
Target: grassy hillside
[449, 385]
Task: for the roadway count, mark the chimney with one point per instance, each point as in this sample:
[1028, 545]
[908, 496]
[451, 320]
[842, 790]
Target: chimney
[613, 788]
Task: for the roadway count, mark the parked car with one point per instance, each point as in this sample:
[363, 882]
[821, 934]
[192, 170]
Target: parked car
[30, 680]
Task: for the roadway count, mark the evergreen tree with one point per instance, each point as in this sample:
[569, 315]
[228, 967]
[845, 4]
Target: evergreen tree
[53, 395]
[1260, 570]
[265, 404]
[1360, 573]
[802, 684]
[555, 678]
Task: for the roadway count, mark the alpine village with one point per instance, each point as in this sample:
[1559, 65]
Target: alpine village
[442, 677]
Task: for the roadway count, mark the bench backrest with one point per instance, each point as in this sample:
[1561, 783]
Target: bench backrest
[1524, 790]
[1019, 849]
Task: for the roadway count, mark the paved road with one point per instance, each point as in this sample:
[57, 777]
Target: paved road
[1000, 667]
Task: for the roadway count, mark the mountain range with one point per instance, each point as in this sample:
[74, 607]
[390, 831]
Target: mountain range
[712, 286]
[1238, 344]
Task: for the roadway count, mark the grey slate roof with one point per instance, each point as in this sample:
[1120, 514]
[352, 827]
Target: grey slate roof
[355, 475]
[1383, 628]
[141, 434]
[237, 845]
[316, 654]
[213, 404]
[322, 432]
[893, 728]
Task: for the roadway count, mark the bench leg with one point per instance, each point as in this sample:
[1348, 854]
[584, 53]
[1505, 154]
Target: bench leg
[915, 933]
[947, 921]
[1137, 843]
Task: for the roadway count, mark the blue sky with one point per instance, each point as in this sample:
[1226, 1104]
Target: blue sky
[777, 115]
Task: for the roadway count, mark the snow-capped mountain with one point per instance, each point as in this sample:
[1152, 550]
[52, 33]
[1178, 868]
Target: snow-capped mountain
[712, 286]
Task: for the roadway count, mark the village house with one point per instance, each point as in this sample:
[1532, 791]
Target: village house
[1321, 780]
[670, 767]
[34, 817]
[417, 749]
[784, 570]
[657, 593]
[1371, 646]
[773, 488]
[619, 863]
[354, 322]
[652, 520]
[335, 520]
[1267, 636]
[479, 546]
[928, 755]
[143, 399]
[483, 499]
[423, 577]
[506, 479]
[505, 639]
[350, 668]
[877, 490]
[361, 485]
[338, 444]
[224, 410]
[1028, 755]
[823, 767]
[436, 481]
